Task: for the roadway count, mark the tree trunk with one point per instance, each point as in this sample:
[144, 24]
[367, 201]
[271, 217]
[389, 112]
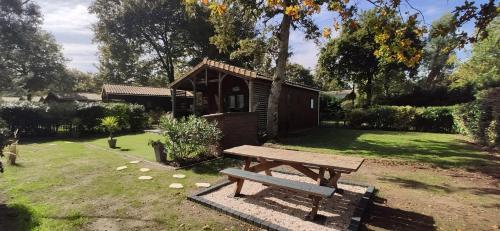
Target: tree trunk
[279, 77]
[369, 91]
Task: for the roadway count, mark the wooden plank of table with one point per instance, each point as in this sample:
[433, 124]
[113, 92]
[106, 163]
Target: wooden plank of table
[329, 161]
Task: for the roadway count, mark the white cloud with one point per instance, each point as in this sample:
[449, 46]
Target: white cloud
[70, 23]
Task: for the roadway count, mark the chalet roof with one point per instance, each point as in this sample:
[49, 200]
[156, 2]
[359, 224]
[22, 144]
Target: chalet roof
[232, 70]
[341, 94]
[77, 96]
[135, 90]
[13, 99]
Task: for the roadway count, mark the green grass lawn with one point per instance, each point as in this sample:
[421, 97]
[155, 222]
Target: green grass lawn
[66, 186]
[445, 150]
[61, 185]
[135, 144]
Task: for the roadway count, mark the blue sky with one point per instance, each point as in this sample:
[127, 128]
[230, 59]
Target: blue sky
[70, 23]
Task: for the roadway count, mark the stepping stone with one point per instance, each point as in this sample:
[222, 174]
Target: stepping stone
[179, 176]
[176, 185]
[121, 168]
[202, 185]
[145, 177]
[144, 169]
[68, 142]
[52, 144]
[135, 162]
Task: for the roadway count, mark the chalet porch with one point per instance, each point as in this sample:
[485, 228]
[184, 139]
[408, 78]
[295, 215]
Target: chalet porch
[224, 94]
[227, 92]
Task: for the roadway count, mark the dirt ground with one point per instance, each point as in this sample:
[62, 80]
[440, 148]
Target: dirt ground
[412, 196]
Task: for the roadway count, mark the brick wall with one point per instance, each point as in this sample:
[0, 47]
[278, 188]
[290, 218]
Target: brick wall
[237, 128]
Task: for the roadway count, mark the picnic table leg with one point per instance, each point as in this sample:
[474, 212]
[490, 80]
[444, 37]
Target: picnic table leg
[315, 208]
[334, 178]
[321, 176]
[247, 163]
[267, 171]
[239, 186]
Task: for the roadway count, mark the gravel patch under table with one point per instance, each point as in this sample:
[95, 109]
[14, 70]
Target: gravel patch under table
[287, 208]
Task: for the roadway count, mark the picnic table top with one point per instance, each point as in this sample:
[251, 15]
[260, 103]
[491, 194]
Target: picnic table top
[336, 162]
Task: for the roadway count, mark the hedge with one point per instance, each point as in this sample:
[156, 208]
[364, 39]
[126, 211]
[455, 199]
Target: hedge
[480, 119]
[429, 119]
[38, 119]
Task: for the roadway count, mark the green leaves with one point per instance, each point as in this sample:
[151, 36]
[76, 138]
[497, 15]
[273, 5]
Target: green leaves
[110, 123]
[188, 137]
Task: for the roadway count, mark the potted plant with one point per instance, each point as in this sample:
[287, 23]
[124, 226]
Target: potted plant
[110, 123]
[159, 148]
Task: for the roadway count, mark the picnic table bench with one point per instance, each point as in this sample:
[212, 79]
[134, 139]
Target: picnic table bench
[304, 162]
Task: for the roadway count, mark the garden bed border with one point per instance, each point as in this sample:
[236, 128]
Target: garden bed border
[354, 224]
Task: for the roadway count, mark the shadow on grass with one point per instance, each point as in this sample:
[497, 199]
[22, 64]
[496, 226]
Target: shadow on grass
[413, 184]
[214, 166]
[84, 138]
[453, 153]
[387, 218]
[17, 217]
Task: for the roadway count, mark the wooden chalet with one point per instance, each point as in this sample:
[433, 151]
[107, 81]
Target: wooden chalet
[72, 97]
[238, 97]
[150, 97]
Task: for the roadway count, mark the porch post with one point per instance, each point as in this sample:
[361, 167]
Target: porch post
[220, 110]
[173, 93]
[251, 96]
[195, 100]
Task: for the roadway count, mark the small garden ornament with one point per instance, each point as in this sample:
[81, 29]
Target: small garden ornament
[159, 149]
[110, 123]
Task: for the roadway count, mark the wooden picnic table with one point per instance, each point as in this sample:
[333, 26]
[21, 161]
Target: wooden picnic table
[304, 162]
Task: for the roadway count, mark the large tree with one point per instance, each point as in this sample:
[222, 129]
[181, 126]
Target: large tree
[299, 74]
[482, 70]
[439, 52]
[352, 56]
[30, 58]
[298, 14]
[139, 35]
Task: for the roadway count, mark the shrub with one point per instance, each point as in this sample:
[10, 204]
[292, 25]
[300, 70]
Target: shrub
[4, 136]
[130, 116]
[480, 119]
[89, 115]
[357, 117]
[188, 138]
[435, 119]
[38, 119]
[110, 123]
[331, 107]
[430, 119]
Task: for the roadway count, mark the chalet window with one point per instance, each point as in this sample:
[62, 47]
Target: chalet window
[312, 103]
[237, 101]
[241, 101]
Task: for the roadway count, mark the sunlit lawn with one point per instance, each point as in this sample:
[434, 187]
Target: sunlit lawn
[436, 148]
[66, 186]
[135, 144]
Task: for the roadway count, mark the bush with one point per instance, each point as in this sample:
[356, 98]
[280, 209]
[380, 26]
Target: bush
[38, 119]
[435, 119]
[188, 138]
[480, 119]
[4, 137]
[331, 108]
[430, 119]
[110, 123]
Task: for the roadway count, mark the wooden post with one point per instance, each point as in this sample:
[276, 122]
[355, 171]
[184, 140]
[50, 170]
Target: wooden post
[221, 107]
[247, 163]
[195, 98]
[315, 208]
[173, 92]
[321, 176]
[251, 93]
